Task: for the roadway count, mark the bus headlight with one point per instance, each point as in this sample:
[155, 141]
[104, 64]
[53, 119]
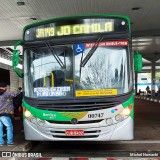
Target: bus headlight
[41, 122]
[126, 112]
[27, 114]
[109, 121]
[33, 120]
[119, 117]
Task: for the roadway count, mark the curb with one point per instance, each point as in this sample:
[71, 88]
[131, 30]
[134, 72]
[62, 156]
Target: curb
[27, 146]
[136, 142]
[149, 99]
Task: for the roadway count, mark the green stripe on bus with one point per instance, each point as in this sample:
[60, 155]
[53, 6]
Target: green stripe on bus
[53, 115]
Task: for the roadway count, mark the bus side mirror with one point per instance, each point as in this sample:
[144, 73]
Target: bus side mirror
[137, 62]
[15, 59]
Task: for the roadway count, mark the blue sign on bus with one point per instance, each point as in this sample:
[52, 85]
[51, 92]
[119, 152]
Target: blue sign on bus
[78, 48]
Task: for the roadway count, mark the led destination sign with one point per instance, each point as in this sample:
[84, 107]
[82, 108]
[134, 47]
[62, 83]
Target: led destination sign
[76, 27]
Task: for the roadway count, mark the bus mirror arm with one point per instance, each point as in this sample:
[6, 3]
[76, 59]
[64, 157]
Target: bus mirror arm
[18, 72]
[15, 59]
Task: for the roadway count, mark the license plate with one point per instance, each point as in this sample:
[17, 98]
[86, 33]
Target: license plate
[74, 132]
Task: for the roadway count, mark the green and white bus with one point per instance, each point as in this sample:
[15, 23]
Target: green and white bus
[78, 79]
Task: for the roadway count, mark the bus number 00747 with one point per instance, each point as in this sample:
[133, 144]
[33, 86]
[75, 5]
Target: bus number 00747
[99, 115]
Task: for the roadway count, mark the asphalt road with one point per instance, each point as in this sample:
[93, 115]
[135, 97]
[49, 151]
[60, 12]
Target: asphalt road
[147, 138]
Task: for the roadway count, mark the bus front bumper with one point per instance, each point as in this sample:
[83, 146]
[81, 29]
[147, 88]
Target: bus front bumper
[92, 131]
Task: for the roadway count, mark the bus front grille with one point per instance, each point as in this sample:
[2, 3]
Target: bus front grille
[69, 122]
[77, 107]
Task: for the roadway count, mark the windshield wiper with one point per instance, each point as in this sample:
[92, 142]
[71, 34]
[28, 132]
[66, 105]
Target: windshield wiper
[80, 71]
[54, 54]
[91, 52]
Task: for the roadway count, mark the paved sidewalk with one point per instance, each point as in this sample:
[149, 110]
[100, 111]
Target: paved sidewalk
[20, 144]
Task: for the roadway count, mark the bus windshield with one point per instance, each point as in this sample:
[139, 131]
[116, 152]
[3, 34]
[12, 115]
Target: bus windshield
[59, 71]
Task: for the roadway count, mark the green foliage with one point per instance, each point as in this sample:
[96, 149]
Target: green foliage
[157, 76]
